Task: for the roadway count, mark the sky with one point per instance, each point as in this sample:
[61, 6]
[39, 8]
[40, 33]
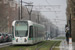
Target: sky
[57, 10]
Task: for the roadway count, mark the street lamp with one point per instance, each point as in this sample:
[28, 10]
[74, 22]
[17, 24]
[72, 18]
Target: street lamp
[20, 10]
[29, 7]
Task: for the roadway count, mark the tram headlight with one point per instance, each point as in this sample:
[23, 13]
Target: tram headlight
[25, 40]
[17, 40]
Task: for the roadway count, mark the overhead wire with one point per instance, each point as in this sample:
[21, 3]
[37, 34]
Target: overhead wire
[47, 2]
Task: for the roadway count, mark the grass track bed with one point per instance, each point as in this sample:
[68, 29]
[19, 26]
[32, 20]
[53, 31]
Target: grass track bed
[60, 37]
[57, 45]
[45, 45]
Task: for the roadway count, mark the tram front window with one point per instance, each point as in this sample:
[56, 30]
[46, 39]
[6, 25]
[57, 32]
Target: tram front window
[21, 29]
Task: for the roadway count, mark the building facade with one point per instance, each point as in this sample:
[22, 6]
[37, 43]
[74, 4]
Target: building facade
[71, 17]
[8, 12]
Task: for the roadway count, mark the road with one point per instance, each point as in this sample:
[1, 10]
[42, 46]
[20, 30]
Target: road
[5, 44]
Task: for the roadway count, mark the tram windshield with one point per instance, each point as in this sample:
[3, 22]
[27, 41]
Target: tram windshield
[21, 29]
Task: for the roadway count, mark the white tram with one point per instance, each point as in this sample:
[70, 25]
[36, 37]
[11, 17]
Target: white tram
[27, 32]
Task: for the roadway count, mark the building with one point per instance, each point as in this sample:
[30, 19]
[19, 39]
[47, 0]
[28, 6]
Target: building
[71, 16]
[8, 12]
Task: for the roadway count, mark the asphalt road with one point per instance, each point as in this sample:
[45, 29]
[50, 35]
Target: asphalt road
[5, 44]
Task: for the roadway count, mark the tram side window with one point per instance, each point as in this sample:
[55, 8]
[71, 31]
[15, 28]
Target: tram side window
[12, 32]
[35, 32]
[31, 32]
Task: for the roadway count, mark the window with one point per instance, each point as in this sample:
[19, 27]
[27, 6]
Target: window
[35, 31]
[21, 29]
[5, 1]
[31, 32]
[12, 4]
[21, 33]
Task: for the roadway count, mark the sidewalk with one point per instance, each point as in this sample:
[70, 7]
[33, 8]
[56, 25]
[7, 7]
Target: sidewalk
[73, 45]
[65, 46]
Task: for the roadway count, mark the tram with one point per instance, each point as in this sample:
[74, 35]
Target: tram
[27, 32]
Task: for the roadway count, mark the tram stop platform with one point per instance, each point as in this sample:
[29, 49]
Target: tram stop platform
[65, 46]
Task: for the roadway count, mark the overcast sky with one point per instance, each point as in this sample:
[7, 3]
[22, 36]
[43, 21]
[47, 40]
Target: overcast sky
[57, 12]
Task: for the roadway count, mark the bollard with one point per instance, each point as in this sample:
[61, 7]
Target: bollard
[70, 43]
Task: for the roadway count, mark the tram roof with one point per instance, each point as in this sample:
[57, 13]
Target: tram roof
[26, 20]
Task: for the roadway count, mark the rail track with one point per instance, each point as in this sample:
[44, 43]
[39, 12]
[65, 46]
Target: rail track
[40, 46]
[46, 45]
[54, 45]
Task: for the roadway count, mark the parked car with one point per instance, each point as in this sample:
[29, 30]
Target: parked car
[2, 37]
[10, 37]
[6, 37]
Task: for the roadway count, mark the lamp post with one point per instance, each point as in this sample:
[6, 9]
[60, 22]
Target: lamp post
[20, 10]
[29, 7]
